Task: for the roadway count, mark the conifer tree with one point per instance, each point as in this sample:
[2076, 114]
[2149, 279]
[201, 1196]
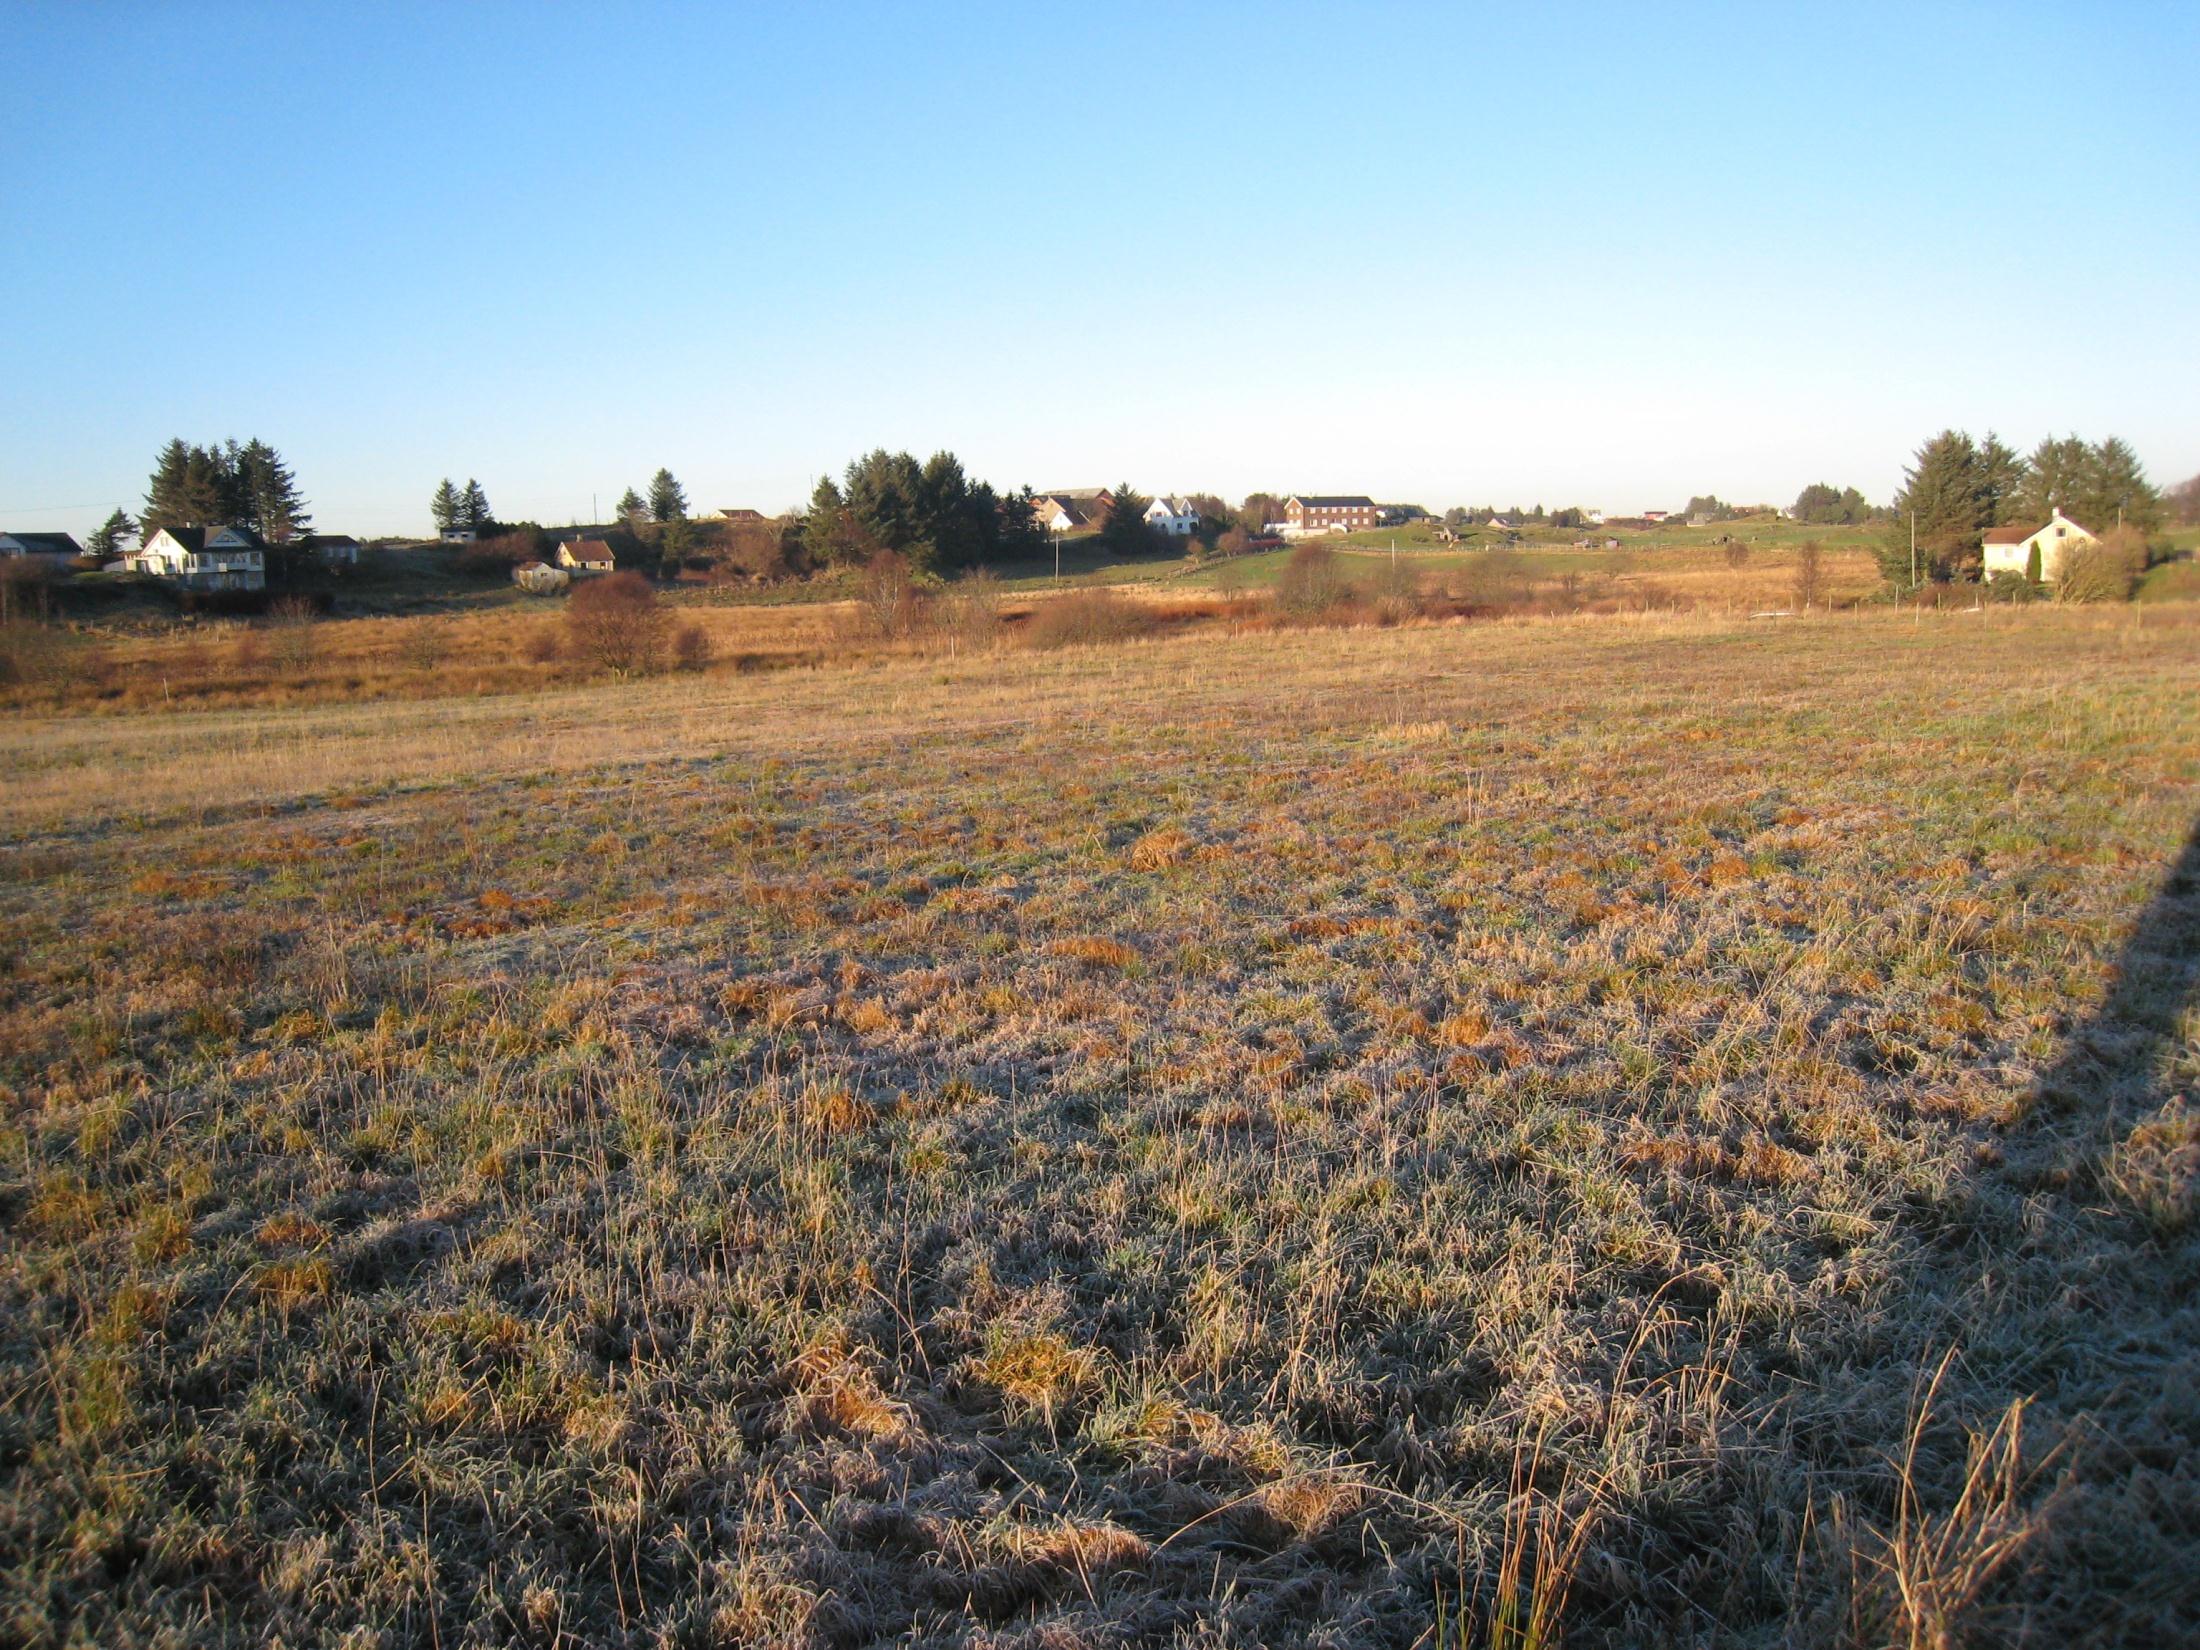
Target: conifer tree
[106, 541]
[474, 511]
[165, 504]
[632, 508]
[667, 498]
[447, 507]
[1948, 494]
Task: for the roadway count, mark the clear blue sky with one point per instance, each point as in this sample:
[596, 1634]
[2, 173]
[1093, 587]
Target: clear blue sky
[1606, 255]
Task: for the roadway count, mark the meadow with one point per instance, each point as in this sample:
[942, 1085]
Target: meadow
[1654, 1129]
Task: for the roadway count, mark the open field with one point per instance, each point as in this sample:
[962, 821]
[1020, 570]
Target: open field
[1662, 1130]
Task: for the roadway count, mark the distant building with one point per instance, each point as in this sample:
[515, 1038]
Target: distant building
[744, 518]
[1595, 518]
[1069, 509]
[1503, 521]
[204, 558]
[2009, 549]
[1655, 515]
[458, 535]
[1308, 513]
[586, 556]
[1173, 516]
[1397, 515]
[333, 549]
[47, 547]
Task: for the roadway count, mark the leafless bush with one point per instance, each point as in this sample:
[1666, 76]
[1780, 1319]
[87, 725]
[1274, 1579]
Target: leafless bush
[1086, 617]
[971, 612]
[421, 644]
[1810, 573]
[2106, 570]
[615, 624]
[1737, 554]
[887, 598]
[291, 642]
[1312, 582]
[691, 649]
[543, 646]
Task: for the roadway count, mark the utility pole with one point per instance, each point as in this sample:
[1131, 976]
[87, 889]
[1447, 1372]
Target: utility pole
[1913, 549]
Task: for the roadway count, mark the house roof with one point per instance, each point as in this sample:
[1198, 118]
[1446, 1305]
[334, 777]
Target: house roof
[50, 544]
[742, 515]
[590, 550]
[319, 541]
[194, 539]
[1077, 495]
[1333, 501]
[2009, 535]
[1076, 516]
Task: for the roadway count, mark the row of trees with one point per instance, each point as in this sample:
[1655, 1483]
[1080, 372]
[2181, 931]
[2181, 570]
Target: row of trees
[461, 507]
[933, 515]
[222, 484]
[1824, 506]
[1956, 489]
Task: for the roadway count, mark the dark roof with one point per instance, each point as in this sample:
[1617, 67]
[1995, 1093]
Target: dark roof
[1334, 501]
[47, 544]
[193, 539]
[742, 515]
[1077, 495]
[314, 541]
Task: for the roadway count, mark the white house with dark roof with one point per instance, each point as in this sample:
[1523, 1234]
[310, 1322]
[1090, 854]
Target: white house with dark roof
[47, 547]
[2009, 549]
[1173, 516]
[204, 558]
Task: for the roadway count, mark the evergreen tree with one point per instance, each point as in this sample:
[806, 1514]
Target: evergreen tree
[1020, 537]
[1126, 532]
[447, 506]
[673, 546]
[1946, 492]
[166, 504]
[474, 508]
[268, 493]
[632, 510]
[2054, 479]
[667, 498]
[2117, 491]
[106, 542]
[2000, 477]
[2032, 563]
[882, 491]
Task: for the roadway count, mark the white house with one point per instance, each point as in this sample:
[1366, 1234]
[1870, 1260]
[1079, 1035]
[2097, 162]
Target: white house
[204, 558]
[53, 548]
[586, 556]
[458, 535]
[1173, 516]
[2009, 549]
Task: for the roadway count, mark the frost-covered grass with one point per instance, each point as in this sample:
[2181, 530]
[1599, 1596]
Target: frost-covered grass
[1661, 1132]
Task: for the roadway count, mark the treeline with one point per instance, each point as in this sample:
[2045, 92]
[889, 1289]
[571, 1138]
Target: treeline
[1956, 489]
[224, 484]
[933, 515]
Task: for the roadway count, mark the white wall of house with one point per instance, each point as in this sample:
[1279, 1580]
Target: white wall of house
[2057, 539]
[228, 561]
[1171, 516]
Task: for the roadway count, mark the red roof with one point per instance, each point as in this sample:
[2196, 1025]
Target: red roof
[2008, 535]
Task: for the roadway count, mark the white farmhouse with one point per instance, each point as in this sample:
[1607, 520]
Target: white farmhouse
[1173, 516]
[2009, 549]
[204, 558]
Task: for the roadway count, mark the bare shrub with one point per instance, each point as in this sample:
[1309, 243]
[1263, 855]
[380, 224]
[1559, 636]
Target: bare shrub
[26, 588]
[1395, 593]
[1312, 582]
[291, 641]
[1810, 573]
[2106, 570]
[421, 644]
[1737, 554]
[691, 649]
[1087, 617]
[615, 623]
[971, 612]
[543, 646]
[888, 602]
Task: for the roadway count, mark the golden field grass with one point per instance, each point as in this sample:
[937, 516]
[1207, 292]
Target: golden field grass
[1630, 1131]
